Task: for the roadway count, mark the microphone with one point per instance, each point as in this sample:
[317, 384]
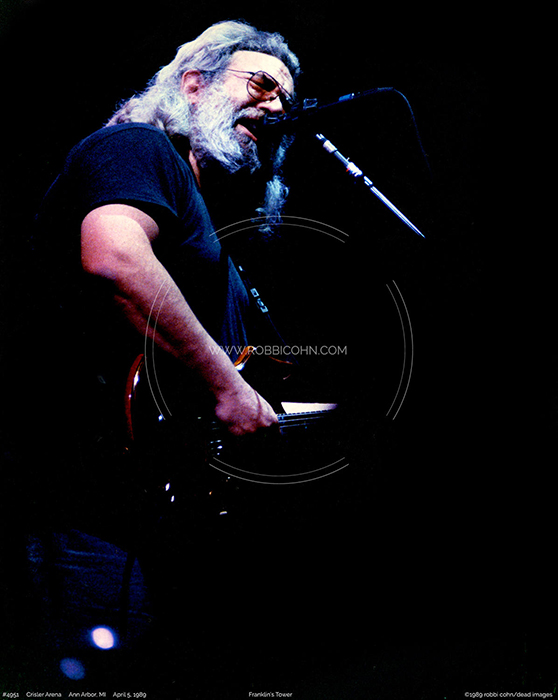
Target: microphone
[310, 107]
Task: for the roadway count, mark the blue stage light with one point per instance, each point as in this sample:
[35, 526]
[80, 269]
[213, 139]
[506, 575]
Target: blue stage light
[73, 669]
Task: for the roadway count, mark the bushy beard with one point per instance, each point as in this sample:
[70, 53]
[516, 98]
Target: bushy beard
[214, 140]
[213, 137]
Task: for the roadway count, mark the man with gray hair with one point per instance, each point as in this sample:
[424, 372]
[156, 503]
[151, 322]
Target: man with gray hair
[129, 259]
[132, 192]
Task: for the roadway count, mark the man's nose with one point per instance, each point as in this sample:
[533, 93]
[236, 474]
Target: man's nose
[273, 106]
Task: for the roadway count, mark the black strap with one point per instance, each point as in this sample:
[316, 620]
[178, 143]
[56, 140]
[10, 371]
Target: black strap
[263, 310]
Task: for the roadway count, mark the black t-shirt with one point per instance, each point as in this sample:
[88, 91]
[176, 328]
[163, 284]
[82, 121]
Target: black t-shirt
[86, 345]
[137, 164]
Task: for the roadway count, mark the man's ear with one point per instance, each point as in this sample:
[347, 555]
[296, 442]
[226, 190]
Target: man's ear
[191, 83]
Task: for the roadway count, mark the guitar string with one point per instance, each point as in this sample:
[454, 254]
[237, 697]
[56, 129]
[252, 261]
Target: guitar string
[288, 419]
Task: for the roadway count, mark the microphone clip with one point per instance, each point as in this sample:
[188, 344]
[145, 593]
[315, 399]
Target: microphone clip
[308, 105]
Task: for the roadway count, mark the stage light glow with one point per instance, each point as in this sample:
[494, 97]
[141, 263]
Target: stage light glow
[103, 637]
[72, 669]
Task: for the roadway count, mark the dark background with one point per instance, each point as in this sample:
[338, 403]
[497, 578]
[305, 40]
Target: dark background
[439, 533]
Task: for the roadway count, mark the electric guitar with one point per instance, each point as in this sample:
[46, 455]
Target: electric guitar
[186, 455]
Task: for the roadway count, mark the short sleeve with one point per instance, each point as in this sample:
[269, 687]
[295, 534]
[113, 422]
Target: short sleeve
[129, 163]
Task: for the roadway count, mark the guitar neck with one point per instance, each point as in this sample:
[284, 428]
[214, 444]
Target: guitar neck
[300, 420]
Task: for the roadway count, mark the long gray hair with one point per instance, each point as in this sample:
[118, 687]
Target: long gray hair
[163, 105]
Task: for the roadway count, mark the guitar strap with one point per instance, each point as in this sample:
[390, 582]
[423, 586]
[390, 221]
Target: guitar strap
[263, 310]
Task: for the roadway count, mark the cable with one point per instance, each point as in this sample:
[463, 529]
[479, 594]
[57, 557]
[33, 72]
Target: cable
[417, 133]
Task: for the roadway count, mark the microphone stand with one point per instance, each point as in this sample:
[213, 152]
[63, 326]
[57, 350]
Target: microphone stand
[311, 107]
[358, 175]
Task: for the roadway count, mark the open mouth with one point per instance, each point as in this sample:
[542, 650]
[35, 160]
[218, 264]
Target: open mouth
[249, 127]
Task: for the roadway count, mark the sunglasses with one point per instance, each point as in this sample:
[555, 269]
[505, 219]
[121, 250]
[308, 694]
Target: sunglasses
[264, 88]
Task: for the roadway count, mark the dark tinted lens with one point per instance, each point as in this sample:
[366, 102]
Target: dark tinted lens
[263, 87]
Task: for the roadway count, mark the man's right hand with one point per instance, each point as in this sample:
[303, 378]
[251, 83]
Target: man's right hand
[243, 411]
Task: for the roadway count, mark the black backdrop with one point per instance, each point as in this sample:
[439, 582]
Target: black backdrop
[448, 503]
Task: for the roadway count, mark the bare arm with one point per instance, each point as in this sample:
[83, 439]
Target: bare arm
[116, 244]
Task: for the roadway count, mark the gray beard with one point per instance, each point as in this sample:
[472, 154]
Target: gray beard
[213, 137]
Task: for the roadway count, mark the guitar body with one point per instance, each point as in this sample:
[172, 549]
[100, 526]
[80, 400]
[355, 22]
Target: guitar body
[187, 459]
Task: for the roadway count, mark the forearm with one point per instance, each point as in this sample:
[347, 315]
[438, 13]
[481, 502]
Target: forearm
[153, 304]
